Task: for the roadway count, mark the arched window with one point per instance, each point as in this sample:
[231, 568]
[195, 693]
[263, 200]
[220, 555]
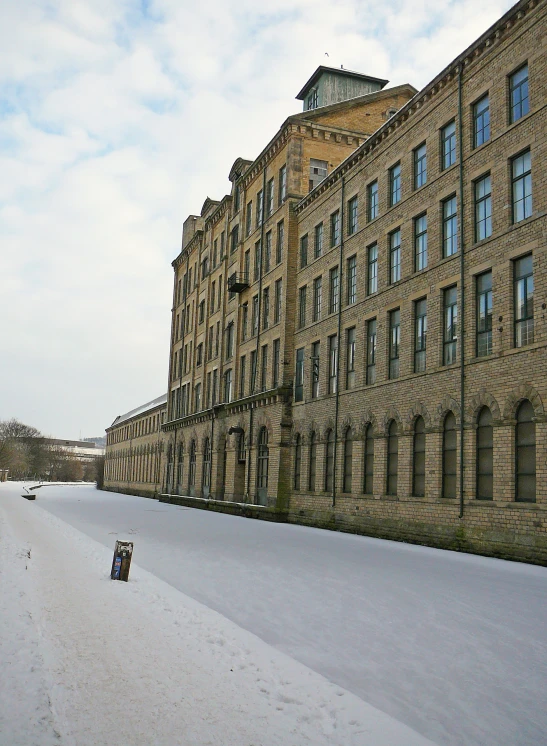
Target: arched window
[449, 455]
[206, 475]
[368, 465]
[485, 455]
[180, 469]
[418, 458]
[525, 451]
[192, 469]
[169, 477]
[329, 462]
[392, 458]
[263, 462]
[348, 461]
[313, 461]
[297, 462]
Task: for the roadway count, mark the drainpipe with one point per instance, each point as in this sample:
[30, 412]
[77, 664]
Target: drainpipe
[462, 286]
[340, 296]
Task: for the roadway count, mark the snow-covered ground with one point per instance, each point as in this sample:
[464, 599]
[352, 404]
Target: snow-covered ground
[453, 646]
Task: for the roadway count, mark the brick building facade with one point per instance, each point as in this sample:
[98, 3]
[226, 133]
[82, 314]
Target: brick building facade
[355, 342]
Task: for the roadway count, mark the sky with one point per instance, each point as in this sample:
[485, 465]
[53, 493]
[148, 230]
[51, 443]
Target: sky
[117, 120]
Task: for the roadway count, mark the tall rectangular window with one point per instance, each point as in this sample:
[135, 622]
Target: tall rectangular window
[266, 308]
[258, 259]
[282, 183]
[518, 91]
[450, 226]
[214, 395]
[318, 242]
[394, 184]
[420, 243]
[481, 121]
[448, 145]
[228, 385]
[420, 166]
[521, 181]
[420, 335]
[483, 208]
[524, 301]
[351, 280]
[484, 314]
[317, 298]
[303, 251]
[278, 300]
[275, 367]
[215, 252]
[352, 215]
[264, 369]
[350, 358]
[373, 206]
[244, 321]
[253, 371]
[302, 306]
[254, 316]
[333, 362]
[299, 376]
[270, 197]
[335, 228]
[242, 372]
[197, 397]
[450, 331]
[371, 351]
[315, 353]
[268, 252]
[333, 290]
[395, 256]
[394, 342]
[247, 265]
[249, 218]
[223, 240]
[280, 241]
[229, 341]
[234, 239]
[372, 269]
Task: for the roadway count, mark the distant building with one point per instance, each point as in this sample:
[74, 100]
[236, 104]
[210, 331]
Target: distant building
[82, 450]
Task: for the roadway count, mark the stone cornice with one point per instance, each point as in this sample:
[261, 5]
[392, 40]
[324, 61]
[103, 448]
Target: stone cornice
[219, 212]
[190, 246]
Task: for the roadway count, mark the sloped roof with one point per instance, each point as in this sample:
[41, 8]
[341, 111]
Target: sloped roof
[141, 410]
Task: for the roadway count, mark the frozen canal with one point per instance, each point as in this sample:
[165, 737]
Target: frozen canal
[453, 645]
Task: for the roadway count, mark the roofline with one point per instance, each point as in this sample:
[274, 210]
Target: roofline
[364, 98]
[340, 71]
[156, 403]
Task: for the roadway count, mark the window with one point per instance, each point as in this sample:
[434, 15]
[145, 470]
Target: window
[241, 451]
[282, 183]
[368, 462]
[302, 306]
[201, 312]
[270, 197]
[212, 298]
[313, 100]
[481, 121]
[518, 91]
[265, 308]
[485, 456]
[372, 269]
[484, 314]
[220, 292]
[215, 252]
[418, 458]
[229, 340]
[254, 316]
[450, 226]
[348, 461]
[351, 280]
[297, 461]
[258, 259]
[352, 215]
[237, 198]
[299, 376]
[303, 251]
[333, 290]
[199, 354]
[420, 243]
[280, 240]
[420, 166]
[264, 369]
[394, 184]
[242, 371]
[450, 333]
[350, 358]
[247, 265]
[275, 371]
[483, 208]
[371, 352]
[524, 301]
[317, 297]
[329, 462]
[249, 218]
[215, 387]
[373, 206]
[253, 371]
[450, 438]
[180, 469]
[278, 300]
[392, 458]
[197, 397]
[315, 353]
[420, 335]
[244, 321]
[395, 256]
[268, 252]
[333, 362]
[223, 241]
[318, 241]
[448, 145]
[313, 462]
[263, 461]
[521, 178]
[206, 467]
[335, 228]
[192, 469]
[318, 172]
[525, 451]
[394, 342]
[228, 385]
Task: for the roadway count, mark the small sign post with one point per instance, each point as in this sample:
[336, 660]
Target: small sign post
[121, 561]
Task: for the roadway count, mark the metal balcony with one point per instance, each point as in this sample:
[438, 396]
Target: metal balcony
[237, 283]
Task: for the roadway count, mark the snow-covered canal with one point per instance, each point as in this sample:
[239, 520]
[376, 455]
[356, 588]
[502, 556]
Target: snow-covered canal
[453, 645]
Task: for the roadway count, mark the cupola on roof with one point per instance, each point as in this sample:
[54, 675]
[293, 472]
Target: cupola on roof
[330, 85]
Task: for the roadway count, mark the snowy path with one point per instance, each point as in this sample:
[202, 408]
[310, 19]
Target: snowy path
[455, 646]
[89, 662]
